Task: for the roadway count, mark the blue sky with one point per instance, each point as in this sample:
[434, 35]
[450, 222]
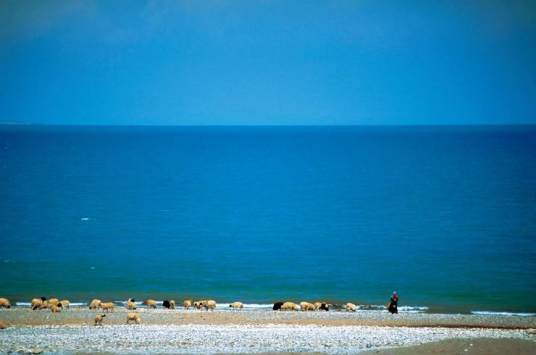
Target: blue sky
[268, 62]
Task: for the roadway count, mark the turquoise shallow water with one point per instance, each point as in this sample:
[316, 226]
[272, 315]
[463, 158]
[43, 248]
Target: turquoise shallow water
[444, 215]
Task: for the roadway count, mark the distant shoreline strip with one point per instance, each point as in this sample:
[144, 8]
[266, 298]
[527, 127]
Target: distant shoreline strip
[268, 306]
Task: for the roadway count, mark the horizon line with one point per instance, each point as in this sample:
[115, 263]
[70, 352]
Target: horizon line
[267, 125]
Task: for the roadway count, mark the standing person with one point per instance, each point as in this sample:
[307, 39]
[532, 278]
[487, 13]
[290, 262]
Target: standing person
[392, 306]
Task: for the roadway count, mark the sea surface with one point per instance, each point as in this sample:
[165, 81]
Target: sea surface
[446, 216]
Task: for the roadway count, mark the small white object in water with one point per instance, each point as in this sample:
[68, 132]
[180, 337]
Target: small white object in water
[84, 219]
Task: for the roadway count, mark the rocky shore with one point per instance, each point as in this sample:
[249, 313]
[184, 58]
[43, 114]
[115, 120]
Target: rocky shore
[223, 331]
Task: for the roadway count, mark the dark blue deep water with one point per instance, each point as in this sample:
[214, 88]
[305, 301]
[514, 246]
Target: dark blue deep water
[444, 215]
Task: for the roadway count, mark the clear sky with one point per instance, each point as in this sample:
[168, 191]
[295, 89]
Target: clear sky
[268, 62]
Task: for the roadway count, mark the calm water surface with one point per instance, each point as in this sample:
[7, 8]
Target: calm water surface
[444, 215]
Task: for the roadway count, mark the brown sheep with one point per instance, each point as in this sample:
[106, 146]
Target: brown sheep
[131, 304]
[290, 306]
[209, 304]
[53, 302]
[4, 303]
[150, 303]
[3, 325]
[350, 307]
[172, 304]
[321, 306]
[306, 306]
[65, 304]
[133, 317]
[107, 306]
[36, 303]
[236, 305]
[99, 318]
[199, 304]
[55, 308]
[95, 304]
[39, 303]
[187, 304]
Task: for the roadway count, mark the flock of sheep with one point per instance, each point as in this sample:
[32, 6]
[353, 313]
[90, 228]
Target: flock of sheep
[307, 306]
[55, 306]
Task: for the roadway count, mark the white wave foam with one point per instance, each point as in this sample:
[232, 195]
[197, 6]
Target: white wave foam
[138, 303]
[412, 309]
[71, 304]
[401, 309]
[506, 314]
[257, 305]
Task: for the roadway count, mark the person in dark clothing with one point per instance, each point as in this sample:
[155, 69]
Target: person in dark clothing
[392, 306]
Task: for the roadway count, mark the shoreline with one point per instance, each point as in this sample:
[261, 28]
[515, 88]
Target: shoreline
[335, 306]
[24, 301]
[78, 315]
[254, 331]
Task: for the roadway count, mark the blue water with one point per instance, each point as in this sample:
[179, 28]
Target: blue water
[444, 215]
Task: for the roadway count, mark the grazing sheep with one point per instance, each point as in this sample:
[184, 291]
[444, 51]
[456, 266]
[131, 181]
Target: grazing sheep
[206, 304]
[39, 303]
[277, 306]
[107, 306]
[306, 306]
[236, 305]
[3, 325]
[133, 317]
[99, 318]
[131, 303]
[290, 306]
[187, 304]
[53, 302]
[350, 307]
[95, 304]
[321, 306]
[4, 303]
[210, 304]
[169, 304]
[36, 303]
[65, 304]
[150, 303]
[55, 308]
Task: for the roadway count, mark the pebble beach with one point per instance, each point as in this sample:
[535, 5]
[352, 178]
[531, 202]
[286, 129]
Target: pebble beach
[248, 331]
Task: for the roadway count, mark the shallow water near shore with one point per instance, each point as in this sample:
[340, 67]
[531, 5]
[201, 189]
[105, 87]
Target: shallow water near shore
[444, 215]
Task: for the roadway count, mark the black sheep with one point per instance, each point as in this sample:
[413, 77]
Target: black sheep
[277, 306]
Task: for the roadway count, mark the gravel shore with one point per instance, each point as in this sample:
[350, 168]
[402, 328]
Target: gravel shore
[77, 316]
[230, 338]
[223, 331]
[481, 346]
